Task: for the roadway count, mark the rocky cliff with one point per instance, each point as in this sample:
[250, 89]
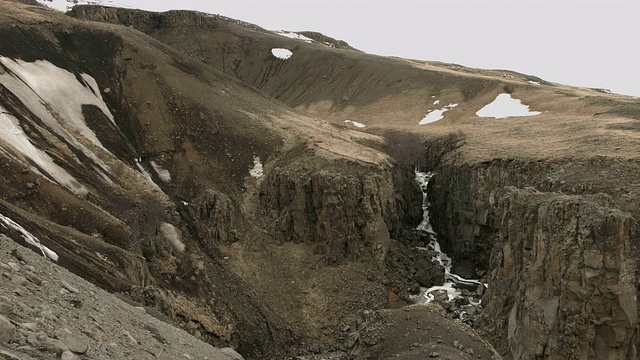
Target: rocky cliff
[561, 255]
[349, 216]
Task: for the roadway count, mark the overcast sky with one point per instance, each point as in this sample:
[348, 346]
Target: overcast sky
[576, 42]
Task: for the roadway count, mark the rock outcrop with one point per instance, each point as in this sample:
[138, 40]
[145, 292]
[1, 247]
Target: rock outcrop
[563, 279]
[145, 21]
[348, 216]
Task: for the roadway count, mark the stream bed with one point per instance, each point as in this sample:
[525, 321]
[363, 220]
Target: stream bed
[458, 295]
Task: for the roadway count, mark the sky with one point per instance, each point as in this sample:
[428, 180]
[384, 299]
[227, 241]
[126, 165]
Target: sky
[576, 42]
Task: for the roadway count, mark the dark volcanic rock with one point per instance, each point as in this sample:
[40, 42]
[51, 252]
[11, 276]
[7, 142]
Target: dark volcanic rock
[560, 266]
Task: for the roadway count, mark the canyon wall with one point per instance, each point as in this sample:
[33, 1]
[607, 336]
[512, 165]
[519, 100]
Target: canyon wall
[349, 214]
[560, 250]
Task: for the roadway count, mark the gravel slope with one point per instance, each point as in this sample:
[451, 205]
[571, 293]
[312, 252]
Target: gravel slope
[47, 312]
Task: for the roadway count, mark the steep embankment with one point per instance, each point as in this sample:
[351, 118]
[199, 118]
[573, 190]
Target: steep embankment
[51, 314]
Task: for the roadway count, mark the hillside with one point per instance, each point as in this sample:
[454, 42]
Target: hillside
[258, 188]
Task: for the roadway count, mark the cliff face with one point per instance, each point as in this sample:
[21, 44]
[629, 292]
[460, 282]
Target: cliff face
[349, 216]
[145, 21]
[563, 275]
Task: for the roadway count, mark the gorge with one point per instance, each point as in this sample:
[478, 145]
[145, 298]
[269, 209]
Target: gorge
[270, 204]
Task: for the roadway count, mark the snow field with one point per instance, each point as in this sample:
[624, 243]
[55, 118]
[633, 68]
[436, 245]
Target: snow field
[504, 106]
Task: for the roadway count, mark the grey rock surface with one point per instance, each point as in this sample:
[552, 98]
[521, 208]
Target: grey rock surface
[50, 326]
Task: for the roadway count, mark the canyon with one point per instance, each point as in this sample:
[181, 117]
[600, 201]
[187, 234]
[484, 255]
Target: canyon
[269, 203]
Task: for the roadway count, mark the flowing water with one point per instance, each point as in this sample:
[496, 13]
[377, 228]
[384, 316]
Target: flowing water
[453, 284]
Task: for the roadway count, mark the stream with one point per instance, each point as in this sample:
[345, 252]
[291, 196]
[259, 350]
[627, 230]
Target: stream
[453, 284]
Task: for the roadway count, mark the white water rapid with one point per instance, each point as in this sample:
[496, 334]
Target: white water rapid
[453, 284]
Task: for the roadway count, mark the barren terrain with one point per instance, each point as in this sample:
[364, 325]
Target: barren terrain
[270, 205]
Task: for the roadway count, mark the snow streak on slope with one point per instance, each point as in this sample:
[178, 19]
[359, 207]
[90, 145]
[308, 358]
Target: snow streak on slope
[66, 5]
[355, 123]
[435, 115]
[505, 106]
[12, 134]
[293, 35]
[56, 96]
[30, 239]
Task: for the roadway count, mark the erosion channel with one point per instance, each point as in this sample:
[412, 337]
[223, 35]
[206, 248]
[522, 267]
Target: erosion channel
[458, 295]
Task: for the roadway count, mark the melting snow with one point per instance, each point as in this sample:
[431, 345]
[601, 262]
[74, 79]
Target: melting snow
[293, 35]
[355, 123]
[30, 239]
[173, 235]
[534, 82]
[55, 96]
[163, 174]
[257, 170]
[144, 173]
[435, 115]
[436, 102]
[505, 106]
[13, 135]
[66, 5]
[282, 54]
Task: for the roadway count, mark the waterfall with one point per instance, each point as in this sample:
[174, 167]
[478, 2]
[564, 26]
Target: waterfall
[453, 283]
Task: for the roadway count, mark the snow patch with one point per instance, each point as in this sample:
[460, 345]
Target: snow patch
[282, 54]
[56, 96]
[144, 173]
[173, 235]
[163, 174]
[257, 171]
[435, 115]
[293, 35]
[505, 106]
[13, 135]
[66, 5]
[355, 123]
[436, 102]
[29, 238]
[534, 82]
